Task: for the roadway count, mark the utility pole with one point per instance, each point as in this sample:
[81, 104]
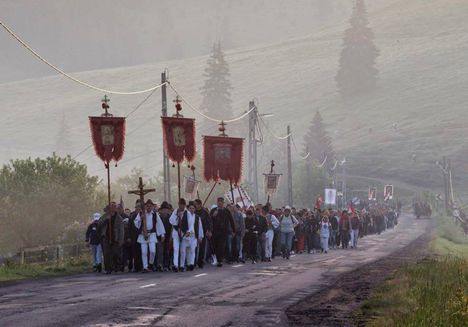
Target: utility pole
[446, 193]
[309, 173]
[345, 200]
[290, 194]
[253, 176]
[166, 171]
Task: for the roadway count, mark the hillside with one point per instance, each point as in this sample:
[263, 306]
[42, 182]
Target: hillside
[423, 75]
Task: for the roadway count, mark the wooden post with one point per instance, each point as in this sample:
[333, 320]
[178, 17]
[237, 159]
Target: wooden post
[209, 194]
[22, 257]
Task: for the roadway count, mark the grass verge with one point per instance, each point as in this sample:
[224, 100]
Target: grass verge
[432, 292]
[14, 272]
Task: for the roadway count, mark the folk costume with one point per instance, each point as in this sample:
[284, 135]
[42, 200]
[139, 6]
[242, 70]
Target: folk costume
[155, 228]
[191, 229]
[176, 220]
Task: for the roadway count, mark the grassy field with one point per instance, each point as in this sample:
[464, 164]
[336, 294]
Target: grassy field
[433, 292]
[14, 272]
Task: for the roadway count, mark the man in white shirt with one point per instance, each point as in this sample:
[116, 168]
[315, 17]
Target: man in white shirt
[154, 228]
[175, 220]
[192, 234]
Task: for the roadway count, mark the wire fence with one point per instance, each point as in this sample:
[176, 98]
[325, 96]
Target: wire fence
[46, 254]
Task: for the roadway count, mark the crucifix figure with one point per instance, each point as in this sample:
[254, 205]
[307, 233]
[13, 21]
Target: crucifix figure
[141, 193]
[105, 106]
[178, 106]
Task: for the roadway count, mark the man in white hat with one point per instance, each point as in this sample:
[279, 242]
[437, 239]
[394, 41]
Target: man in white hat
[154, 228]
[92, 238]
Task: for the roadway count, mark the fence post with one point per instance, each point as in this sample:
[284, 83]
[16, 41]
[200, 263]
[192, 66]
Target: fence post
[22, 257]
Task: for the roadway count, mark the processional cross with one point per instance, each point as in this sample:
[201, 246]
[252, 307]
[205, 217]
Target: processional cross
[141, 192]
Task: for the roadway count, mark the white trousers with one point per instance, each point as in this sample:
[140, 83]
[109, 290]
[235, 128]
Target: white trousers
[269, 243]
[188, 247]
[176, 247]
[144, 253]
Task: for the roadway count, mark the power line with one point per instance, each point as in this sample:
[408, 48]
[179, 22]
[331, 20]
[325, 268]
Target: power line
[206, 116]
[60, 71]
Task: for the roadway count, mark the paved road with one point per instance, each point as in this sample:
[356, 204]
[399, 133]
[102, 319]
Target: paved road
[238, 295]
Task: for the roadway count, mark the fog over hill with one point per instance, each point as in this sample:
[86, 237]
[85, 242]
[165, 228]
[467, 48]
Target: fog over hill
[416, 115]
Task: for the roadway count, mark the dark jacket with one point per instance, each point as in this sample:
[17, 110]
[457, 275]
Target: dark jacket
[252, 227]
[117, 228]
[207, 224]
[222, 219]
[92, 234]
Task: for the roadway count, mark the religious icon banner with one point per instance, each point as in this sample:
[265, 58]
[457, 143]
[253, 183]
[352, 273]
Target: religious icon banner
[372, 194]
[108, 134]
[388, 192]
[271, 183]
[330, 196]
[179, 138]
[191, 187]
[223, 158]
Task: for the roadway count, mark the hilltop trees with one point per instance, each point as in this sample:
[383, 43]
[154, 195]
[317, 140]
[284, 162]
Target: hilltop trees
[357, 74]
[318, 143]
[216, 91]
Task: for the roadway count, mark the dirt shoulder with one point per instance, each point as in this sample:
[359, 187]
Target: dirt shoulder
[335, 304]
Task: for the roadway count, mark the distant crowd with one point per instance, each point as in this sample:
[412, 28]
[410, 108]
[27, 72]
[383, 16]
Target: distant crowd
[162, 238]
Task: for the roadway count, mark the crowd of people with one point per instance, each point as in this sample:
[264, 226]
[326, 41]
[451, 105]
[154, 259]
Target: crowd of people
[163, 238]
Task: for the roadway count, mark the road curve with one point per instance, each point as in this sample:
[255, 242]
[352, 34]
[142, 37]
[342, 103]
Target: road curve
[237, 295]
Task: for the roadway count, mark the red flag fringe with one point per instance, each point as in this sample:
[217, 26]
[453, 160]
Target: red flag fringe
[113, 151]
[176, 152]
[223, 157]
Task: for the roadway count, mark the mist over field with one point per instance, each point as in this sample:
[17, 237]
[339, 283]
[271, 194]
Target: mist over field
[285, 54]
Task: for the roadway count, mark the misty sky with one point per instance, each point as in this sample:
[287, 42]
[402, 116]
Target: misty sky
[89, 34]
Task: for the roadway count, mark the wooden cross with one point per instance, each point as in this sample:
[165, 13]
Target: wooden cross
[141, 193]
[178, 105]
[105, 105]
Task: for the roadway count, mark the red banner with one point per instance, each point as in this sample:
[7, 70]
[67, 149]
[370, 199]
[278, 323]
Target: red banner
[223, 158]
[108, 135]
[179, 138]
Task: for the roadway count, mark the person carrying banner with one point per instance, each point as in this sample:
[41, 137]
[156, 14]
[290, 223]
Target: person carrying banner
[222, 219]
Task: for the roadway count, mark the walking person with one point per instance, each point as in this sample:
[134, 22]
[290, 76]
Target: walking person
[175, 220]
[252, 230]
[149, 237]
[192, 233]
[222, 224]
[287, 224]
[207, 232]
[344, 229]
[334, 222]
[92, 239]
[325, 227]
[165, 244]
[272, 224]
[238, 217]
[112, 239]
[355, 224]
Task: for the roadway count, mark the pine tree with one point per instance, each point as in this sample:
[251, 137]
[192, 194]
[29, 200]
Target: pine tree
[357, 74]
[63, 145]
[318, 143]
[216, 91]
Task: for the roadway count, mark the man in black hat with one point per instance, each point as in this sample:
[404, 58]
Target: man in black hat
[165, 214]
[222, 219]
[176, 220]
[150, 227]
[134, 258]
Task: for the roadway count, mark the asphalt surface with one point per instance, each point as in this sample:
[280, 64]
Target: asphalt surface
[235, 295]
